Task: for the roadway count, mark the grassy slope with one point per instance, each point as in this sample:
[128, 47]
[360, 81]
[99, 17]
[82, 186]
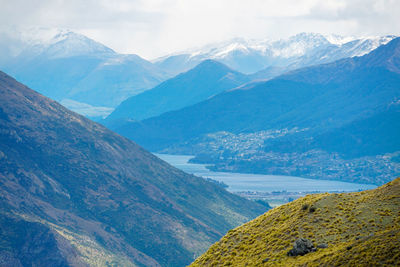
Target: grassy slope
[360, 228]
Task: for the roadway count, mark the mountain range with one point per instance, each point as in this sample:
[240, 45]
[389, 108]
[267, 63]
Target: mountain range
[324, 100]
[267, 58]
[75, 193]
[92, 79]
[205, 80]
[65, 65]
[198, 83]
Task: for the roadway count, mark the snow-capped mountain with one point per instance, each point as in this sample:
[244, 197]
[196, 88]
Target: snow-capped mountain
[250, 56]
[62, 64]
[68, 44]
[49, 42]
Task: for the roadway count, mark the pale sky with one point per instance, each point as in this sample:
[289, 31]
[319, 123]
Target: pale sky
[152, 28]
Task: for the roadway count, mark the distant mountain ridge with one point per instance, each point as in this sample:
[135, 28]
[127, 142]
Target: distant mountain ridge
[281, 97]
[318, 99]
[251, 56]
[68, 66]
[28, 43]
[78, 194]
[205, 80]
[65, 65]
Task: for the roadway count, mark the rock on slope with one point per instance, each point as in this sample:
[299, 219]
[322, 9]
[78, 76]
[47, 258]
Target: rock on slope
[359, 229]
[113, 201]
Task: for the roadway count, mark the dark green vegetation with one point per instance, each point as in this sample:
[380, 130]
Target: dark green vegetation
[349, 229]
[97, 194]
[349, 107]
[207, 79]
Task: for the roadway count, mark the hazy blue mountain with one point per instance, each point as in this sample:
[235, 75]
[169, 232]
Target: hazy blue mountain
[176, 64]
[320, 98]
[66, 65]
[115, 79]
[205, 80]
[73, 191]
[268, 73]
[251, 56]
[248, 109]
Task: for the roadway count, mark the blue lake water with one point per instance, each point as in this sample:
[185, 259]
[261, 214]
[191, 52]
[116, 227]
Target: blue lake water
[259, 182]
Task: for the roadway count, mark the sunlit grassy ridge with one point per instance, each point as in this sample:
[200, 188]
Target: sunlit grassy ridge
[360, 228]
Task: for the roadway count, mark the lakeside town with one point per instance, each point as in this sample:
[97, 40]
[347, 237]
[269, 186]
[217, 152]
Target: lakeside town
[247, 153]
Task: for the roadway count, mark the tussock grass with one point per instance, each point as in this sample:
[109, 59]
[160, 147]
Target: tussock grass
[360, 228]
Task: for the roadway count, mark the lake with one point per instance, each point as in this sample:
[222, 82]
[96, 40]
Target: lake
[262, 183]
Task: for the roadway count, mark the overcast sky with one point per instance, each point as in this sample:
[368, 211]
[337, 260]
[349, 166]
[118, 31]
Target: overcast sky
[151, 28]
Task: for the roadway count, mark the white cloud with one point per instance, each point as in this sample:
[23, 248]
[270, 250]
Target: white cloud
[152, 28]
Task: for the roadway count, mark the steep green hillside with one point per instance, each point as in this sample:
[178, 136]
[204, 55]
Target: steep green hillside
[106, 195]
[359, 229]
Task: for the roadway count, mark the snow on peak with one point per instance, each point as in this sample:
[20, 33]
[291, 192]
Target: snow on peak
[252, 55]
[365, 45]
[52, 41]
[297, 45]
[338, 39]
[293, 46]
[67, 43]
[223, 52]
[36, 35]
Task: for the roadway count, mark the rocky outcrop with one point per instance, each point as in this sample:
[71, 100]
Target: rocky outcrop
[301, 247]
[322, 245]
